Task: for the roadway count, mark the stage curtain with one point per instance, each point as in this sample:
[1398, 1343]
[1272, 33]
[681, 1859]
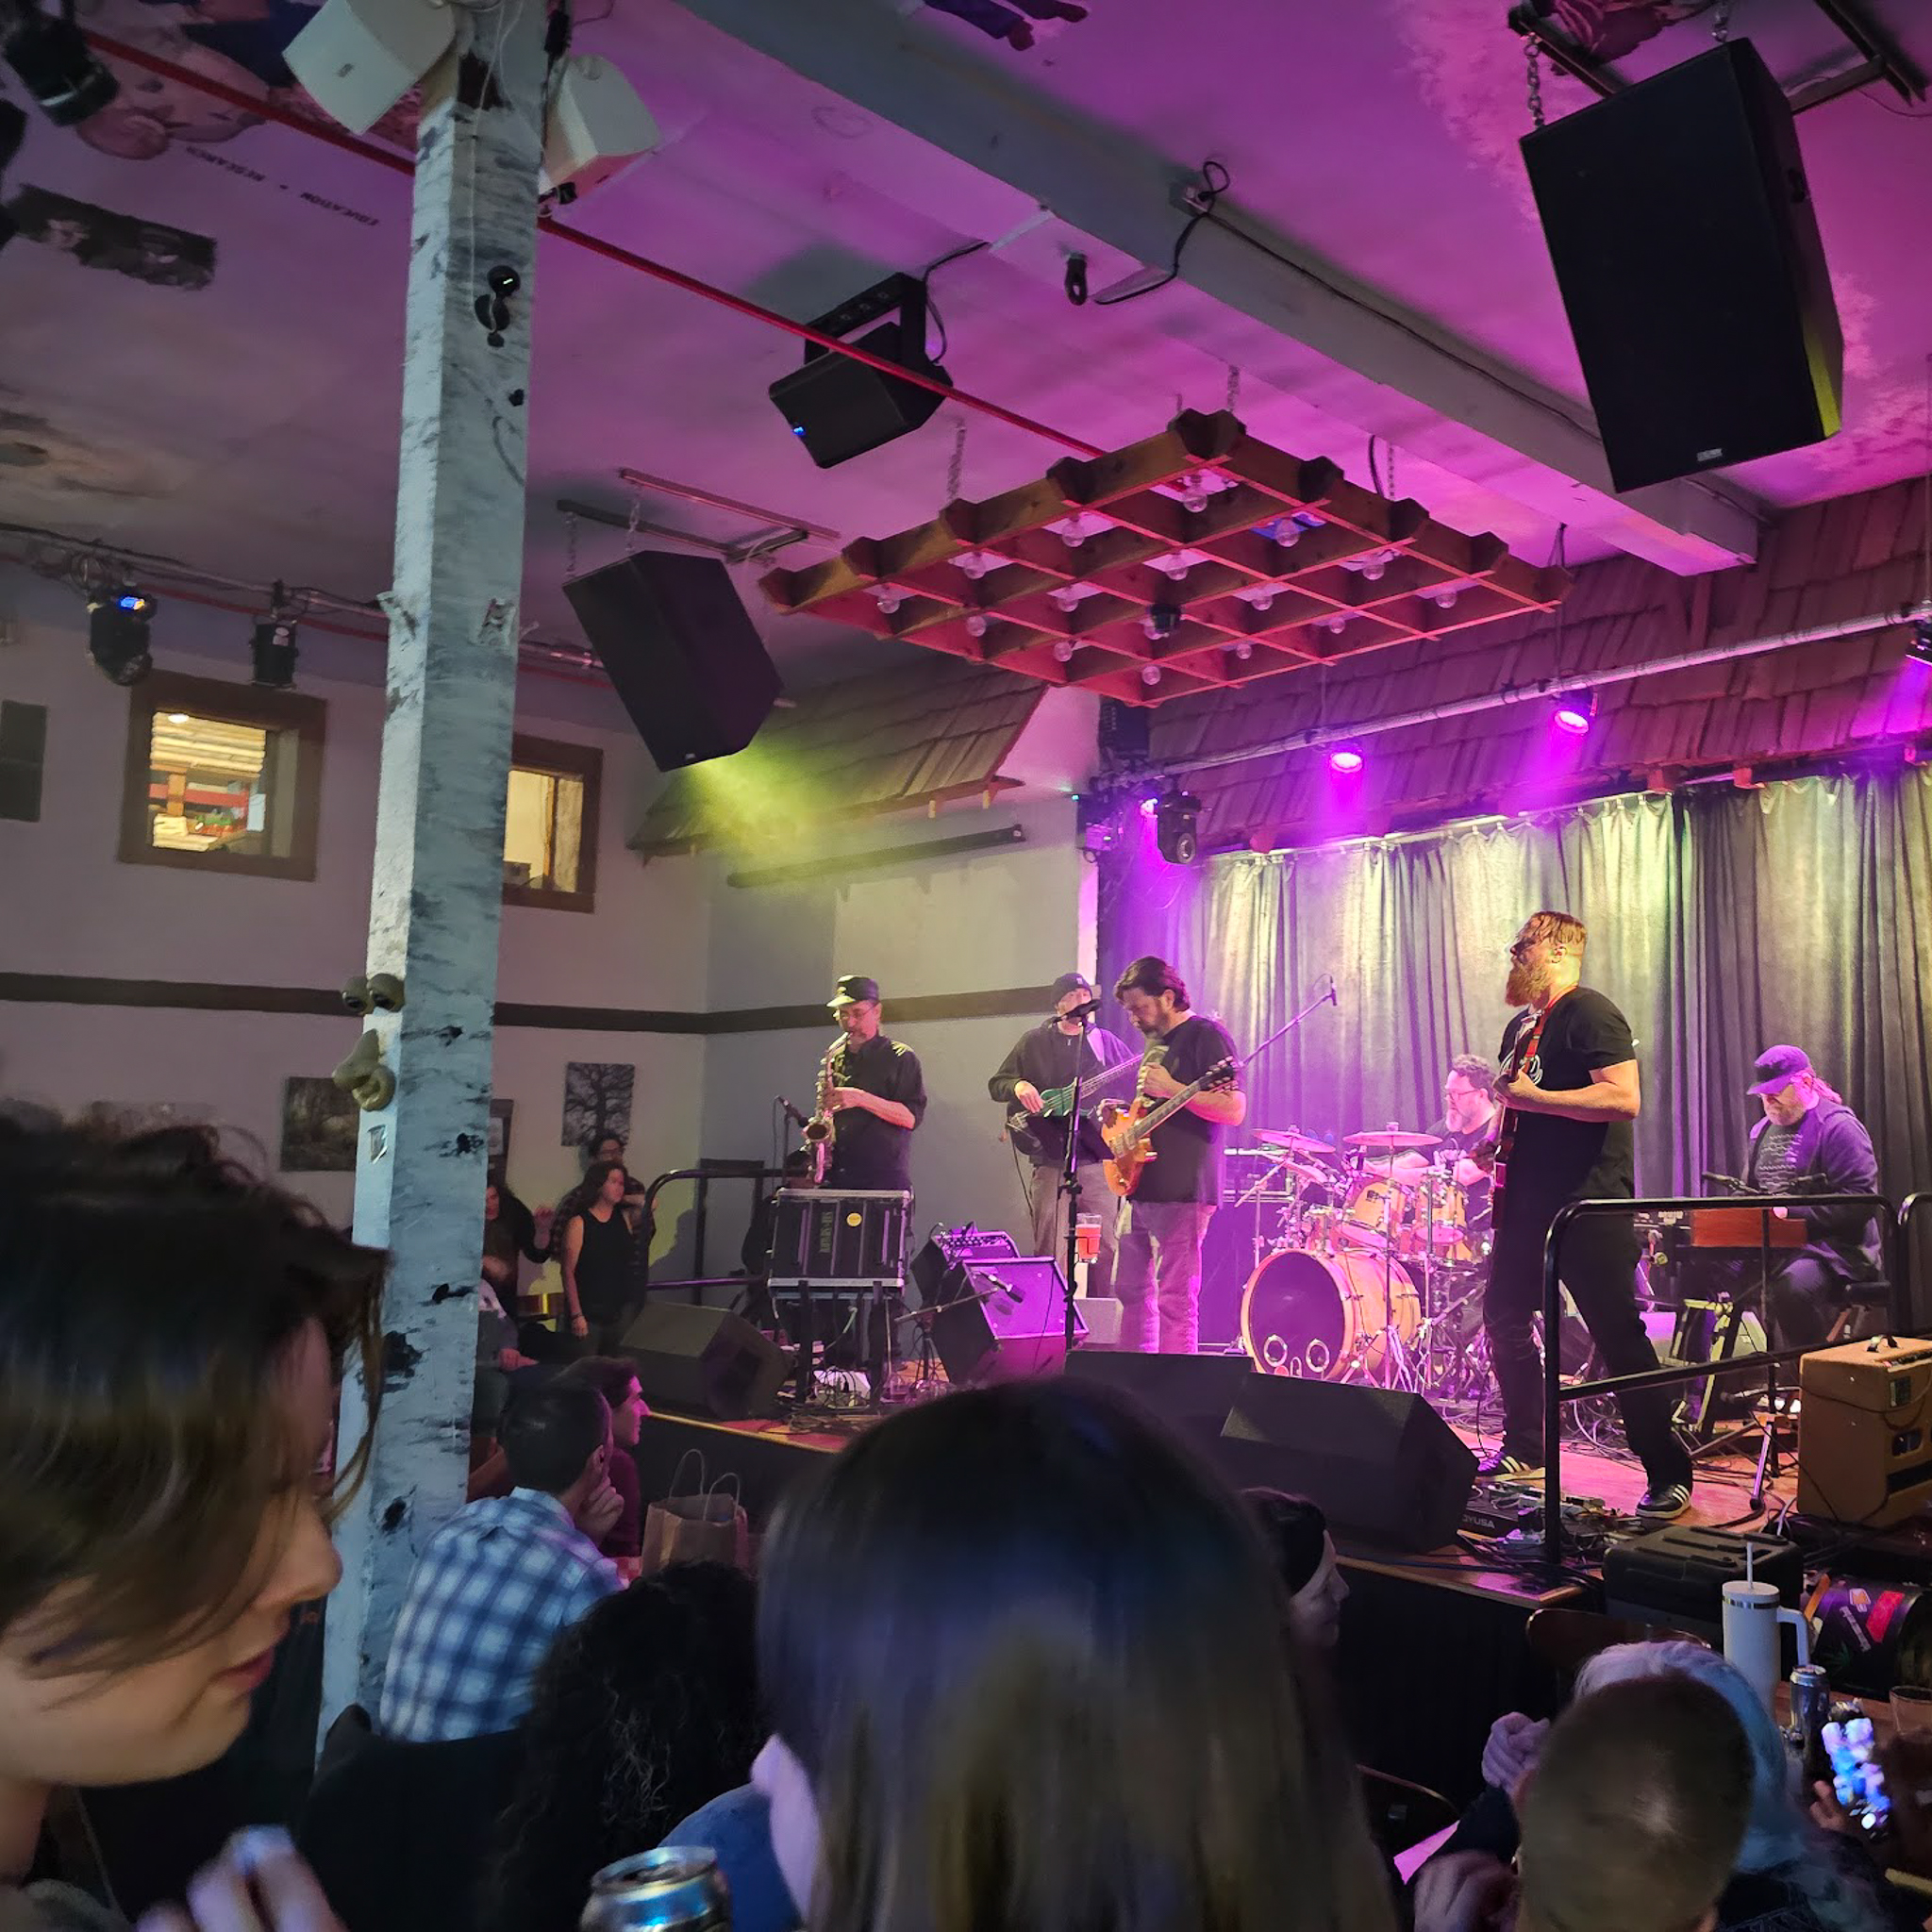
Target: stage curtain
[1721, 921]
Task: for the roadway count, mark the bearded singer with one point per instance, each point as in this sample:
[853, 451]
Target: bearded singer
[1570, 1085]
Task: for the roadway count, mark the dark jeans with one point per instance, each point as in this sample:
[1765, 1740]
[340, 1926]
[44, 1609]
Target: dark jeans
[1599, 1268]
[1803, 1301]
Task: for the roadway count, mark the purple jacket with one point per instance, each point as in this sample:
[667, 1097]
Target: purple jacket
[1834, 1154]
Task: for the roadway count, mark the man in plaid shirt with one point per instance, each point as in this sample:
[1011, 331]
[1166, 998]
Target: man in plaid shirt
[503, 1577]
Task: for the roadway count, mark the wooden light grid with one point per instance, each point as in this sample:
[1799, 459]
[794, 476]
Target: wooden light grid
[1197, 560]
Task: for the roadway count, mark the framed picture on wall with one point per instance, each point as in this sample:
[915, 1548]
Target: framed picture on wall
[501, 1113]
[596, 1101]
[318, 1126]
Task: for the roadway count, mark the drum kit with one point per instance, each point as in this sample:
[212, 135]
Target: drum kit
[1373, 1270]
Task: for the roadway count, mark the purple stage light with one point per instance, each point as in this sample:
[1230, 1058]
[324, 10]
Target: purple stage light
[1150, 805]
[1345, 761]
[1575, 713]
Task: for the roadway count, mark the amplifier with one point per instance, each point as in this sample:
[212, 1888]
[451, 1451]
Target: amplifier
[1865, 1431]
[850, 1240]
[1676, 1575]
[956, 1248]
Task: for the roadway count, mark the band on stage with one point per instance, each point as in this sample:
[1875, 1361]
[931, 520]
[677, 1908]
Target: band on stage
[1408, 1258]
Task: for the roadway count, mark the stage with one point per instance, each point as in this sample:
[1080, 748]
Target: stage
[1437, 1634]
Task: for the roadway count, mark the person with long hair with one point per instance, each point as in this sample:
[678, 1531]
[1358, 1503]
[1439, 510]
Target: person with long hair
[642, 1712]
[1025, 1667]
[599, 1256]
[172, 1332]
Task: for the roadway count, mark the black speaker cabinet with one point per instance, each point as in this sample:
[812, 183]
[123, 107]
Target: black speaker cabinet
[1191, 1394]
[686, 659]
[1685, 248]
[705, 1362]
[1383, 1465]
[1008, 1319]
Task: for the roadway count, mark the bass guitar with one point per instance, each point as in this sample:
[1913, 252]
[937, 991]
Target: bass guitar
[1126, 1130]
[1057, 1102]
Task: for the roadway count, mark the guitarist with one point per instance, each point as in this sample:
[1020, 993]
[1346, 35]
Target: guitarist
[1570, 1091]
[1157, 1271]
[1043, 1058]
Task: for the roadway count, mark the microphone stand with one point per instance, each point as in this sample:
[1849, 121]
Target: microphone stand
[1070, 1174]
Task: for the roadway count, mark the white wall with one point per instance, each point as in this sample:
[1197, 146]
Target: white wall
[71, 908]
[983, 921]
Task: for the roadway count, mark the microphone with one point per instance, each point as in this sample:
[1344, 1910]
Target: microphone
[1005, 1287]
[792, 1113]
[1727, 1180]
[1334, 997]
[1086, 1010]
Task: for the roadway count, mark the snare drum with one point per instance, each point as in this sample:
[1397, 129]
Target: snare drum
[1377, 1215]
[1326, 1316]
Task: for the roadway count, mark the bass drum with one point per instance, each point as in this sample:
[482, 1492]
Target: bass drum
[1326, 1316]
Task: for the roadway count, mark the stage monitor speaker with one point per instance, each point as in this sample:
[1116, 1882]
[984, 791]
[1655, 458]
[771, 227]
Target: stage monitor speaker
[705, 1362]
[1007, 1321]
[1191, 1394]
[1382, 1464]
[1685, 248]
[686, 659]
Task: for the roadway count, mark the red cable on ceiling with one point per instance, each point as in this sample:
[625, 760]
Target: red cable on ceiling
[610, 251]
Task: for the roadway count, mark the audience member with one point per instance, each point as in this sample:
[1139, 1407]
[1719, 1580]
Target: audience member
[500, 1579]
[1024, 1668]
[1789, 1874]
[498, 1357]
[1634, 1813]
[736, 1827]
[644, 1711]
[1296, 1532]
[599, 1258]
[529, 1231]
[171, 1334]
[616, 1380]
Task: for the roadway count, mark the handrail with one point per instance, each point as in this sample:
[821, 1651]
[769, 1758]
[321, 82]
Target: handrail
[1555, 1396]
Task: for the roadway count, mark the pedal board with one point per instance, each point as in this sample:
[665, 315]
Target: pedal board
[1516, 1510]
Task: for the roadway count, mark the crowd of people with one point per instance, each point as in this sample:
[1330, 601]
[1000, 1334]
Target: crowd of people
[1012, 1659]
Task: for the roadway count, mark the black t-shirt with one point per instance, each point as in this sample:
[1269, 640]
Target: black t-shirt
[1454, 1148]
[1556, 1160]
[868, 1152]
[1186, 1149]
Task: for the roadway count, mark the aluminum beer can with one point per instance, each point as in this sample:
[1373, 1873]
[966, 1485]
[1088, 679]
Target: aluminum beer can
[1811, 1699]
[674, 1886]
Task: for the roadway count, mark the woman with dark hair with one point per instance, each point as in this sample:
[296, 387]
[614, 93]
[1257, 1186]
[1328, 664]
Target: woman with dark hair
[645, 1710]
[599, 1258]
[1296, 1531]
[1023, 1663]
[172, 1331]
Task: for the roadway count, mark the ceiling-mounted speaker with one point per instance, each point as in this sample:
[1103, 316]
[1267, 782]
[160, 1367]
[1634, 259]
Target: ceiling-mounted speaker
[359, 57]
[1685, 248]
[685, 656]
[596, 128]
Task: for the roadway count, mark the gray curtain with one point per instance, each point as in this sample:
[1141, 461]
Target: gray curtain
[1721, 921]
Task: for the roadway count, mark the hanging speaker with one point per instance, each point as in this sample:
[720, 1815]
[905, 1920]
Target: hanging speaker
[1685, 248]
[686, 659]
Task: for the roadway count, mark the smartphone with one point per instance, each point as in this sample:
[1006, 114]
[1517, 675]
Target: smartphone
[1858, 1778]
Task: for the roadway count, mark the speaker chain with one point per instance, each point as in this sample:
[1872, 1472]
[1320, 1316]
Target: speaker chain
[1533, 55]
[955, 466]
[1720, 27]
[570, 545]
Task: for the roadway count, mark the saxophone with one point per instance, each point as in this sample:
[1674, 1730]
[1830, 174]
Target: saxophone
[820, 1129]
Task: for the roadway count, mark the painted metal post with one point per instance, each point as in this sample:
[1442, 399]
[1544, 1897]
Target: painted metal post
[438, 895]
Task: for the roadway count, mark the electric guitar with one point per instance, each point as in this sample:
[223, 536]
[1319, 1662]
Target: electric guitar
[1057, 1102]
[1126, 1130]
[1497, 1157]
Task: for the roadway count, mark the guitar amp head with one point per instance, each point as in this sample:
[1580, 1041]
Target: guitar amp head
[1865, 1431]
[956, 1248]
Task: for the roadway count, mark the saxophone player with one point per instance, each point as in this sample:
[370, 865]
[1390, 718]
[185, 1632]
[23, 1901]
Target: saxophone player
[873, 1094]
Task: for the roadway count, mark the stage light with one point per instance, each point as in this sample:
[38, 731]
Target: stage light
[1176, 833]
[57, 66]
[840, 408]
[1150, 805]
[1575, 712]
[1345, 761]
[117, 634]
[1919, 650]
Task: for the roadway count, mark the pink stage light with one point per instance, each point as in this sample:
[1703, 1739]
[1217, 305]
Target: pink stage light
[1575, 713]
[1345, 761]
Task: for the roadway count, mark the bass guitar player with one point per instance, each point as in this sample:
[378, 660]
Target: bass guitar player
[1033, 1081]
[1157, 1271]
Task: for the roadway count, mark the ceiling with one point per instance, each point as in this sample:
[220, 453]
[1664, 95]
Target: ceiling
[250, 424]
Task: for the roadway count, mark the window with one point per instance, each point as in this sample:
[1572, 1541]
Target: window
[550, 825]
[221, 777]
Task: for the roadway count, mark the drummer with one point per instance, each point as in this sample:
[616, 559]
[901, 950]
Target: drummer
[1471, 1114]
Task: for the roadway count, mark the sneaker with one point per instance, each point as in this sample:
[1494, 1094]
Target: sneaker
[1663, 1502]
[1505, 1468]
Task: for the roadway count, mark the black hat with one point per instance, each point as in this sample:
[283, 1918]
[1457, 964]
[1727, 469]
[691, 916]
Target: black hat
[1777, 1067]
[1070, 982]
[854, 986]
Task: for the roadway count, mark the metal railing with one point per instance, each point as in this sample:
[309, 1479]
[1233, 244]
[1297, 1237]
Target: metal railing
[1557, 1396]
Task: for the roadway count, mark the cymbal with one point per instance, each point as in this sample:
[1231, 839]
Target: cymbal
[1390, 1139]
[1308, 1176]
[1292, 1140]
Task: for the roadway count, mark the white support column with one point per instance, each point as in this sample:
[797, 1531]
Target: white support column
[437, 895]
